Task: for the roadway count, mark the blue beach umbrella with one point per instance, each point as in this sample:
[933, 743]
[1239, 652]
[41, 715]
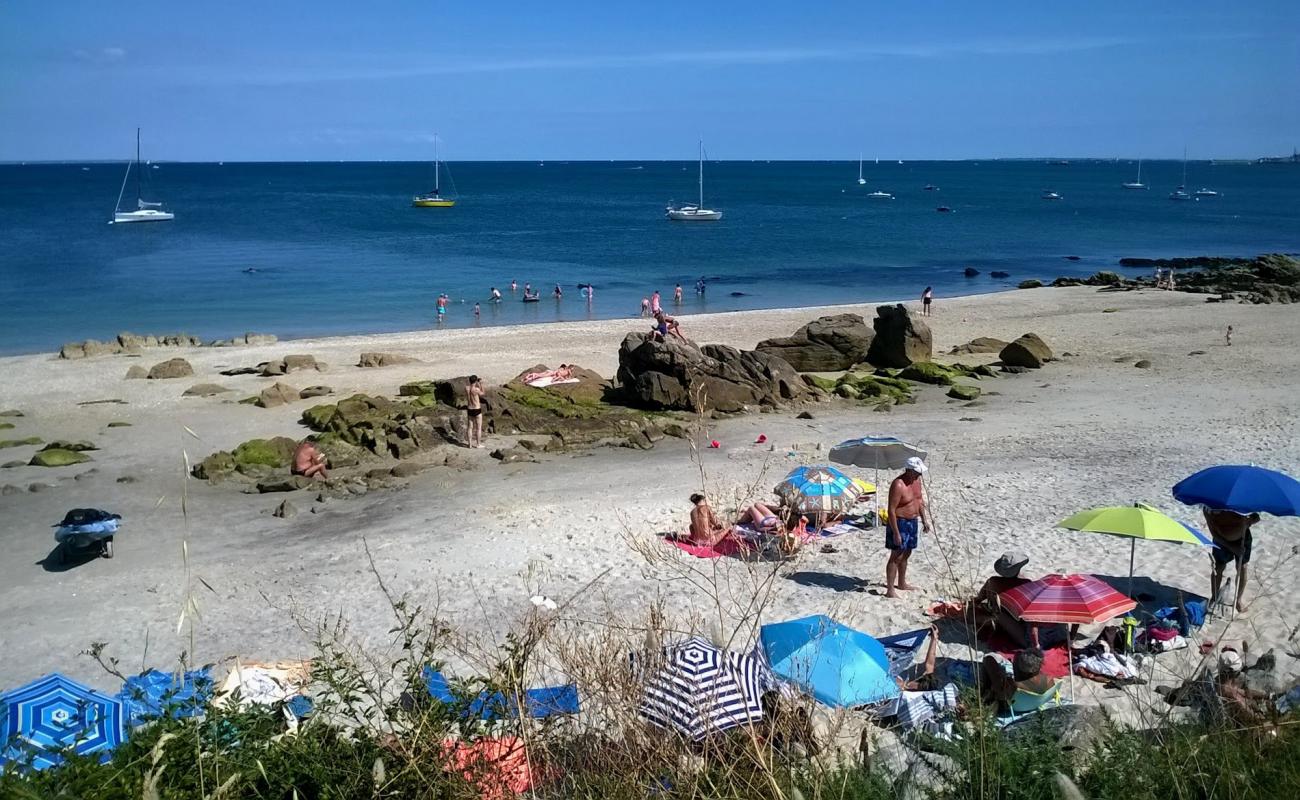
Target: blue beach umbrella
[838, 665]
[153, 694]
[818, 490]
[53, 714]
[1243, 489]
[700, 689]
[875, 452]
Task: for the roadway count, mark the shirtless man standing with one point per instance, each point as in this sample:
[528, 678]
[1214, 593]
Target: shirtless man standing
[907, 514]
[474, 403]
[1231, 534]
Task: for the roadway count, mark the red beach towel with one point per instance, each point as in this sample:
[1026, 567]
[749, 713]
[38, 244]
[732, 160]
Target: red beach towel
[727, 547]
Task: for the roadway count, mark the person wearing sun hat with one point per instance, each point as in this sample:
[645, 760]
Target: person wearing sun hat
[908, 516]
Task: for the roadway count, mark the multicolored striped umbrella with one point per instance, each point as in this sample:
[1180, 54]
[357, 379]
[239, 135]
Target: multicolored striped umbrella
[818, 490]
[1068, 599]
[53, 714]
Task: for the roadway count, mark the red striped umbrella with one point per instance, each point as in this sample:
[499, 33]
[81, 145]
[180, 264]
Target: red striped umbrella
[1068, 599]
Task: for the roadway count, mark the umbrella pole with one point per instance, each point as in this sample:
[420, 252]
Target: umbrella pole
[1132, 551]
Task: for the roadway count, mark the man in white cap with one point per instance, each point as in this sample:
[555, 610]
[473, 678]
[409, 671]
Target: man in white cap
[907, 517]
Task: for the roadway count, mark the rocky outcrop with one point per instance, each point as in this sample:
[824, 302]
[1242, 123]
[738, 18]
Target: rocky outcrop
[961, 391]
[900, 338]
[678, 375]
[315, 391]
[385, 360]
[127, 342]
[135, 372]
[827, 344]
[1031, 283]
[171, 368]
[290, 363]
[979, 345]
[1028, 351]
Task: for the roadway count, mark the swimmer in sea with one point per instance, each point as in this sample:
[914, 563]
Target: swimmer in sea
[677, 294]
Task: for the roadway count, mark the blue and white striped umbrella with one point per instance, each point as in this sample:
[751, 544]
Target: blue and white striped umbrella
[818, 490]
[700, 689]
[875, 452]
[53, 714]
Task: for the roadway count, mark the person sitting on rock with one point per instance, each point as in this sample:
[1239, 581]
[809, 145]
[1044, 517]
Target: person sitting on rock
[309, 461]
[665, 325]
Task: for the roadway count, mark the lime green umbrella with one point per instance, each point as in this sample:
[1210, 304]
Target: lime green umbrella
[1138, 521]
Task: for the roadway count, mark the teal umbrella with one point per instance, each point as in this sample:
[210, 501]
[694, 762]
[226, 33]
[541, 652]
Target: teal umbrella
[838, 665]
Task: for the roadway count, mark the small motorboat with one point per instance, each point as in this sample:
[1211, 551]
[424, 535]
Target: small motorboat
[929, 187]
[879, 195]
[944, 210]
[1181, 194]
[1203, 192]
[1049, 195]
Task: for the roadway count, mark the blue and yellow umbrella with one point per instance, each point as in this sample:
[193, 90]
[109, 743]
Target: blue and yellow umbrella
[818, 490]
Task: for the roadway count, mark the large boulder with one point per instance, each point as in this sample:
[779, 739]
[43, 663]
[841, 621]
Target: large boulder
[290, 363]
[274, 452]
[901, 338]
[171, 368]
[277, 394]
[673, 374]
[1028, 351]
[136, 372]
[827, 344]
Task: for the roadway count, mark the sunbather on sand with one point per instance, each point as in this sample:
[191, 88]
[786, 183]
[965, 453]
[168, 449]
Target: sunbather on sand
[762, 518]
[924, 699]
[309, 461]
[706, 529]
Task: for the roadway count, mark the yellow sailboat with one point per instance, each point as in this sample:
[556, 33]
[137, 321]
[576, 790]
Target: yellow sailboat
[435, 199]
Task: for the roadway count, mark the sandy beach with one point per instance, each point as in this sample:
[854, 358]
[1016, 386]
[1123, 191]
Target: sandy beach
[1087, 430]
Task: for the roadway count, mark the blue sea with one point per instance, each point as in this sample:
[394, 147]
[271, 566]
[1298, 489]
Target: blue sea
[300, 249]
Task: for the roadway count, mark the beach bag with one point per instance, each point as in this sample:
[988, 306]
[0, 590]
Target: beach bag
[1195, 612]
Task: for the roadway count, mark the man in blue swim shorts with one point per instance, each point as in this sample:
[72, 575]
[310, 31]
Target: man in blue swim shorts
[908, 516]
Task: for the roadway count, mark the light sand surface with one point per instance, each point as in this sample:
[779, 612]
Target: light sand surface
[1083, 432]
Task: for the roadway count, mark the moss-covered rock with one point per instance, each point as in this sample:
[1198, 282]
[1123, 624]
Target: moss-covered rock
[77, 447]
[1032, 283]
[215, 467]
[930, 372]
[20, 442]
[415, 388]
[4, 426]
[318, 417]
[58, 457]
[275, 452]
[962, 392]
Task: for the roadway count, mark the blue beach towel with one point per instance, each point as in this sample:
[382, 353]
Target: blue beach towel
[153, 694]
[537, 703]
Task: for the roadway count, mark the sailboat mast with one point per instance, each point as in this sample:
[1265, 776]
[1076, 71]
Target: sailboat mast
[701, 181]
[137, 168]
[435, 163]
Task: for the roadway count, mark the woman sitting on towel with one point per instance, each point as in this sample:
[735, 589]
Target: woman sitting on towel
[706, 529]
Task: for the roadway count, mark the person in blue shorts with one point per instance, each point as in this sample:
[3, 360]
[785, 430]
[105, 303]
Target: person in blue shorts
[908, 516]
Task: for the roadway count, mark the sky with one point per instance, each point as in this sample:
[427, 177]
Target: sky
[326, 80]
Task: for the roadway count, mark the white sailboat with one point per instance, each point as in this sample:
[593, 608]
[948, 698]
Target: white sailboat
[1137, 184]
[145, 211]
[695, 213]
[861, 180]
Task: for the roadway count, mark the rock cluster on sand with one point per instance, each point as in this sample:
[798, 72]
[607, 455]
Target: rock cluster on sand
[204, 390]
[1270, 278]
[277, 394]
[385, 360]
[677, 375]
[1029, 351]
[827, 344]
[171, 368]
[133, 343]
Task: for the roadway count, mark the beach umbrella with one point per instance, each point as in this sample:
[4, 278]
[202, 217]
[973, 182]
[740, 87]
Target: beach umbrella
[153, 694]
[53, 714]
[818, 490]
[1139, 521]
[838, 665]
[875, 452]
[1243, 489]
[700, 689]
[1067, 599]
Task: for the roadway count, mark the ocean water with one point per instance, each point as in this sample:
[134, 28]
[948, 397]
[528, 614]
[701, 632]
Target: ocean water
[336, 247]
